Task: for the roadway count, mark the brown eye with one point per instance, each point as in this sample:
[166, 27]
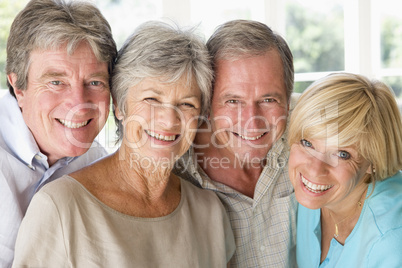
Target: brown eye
[187, 105]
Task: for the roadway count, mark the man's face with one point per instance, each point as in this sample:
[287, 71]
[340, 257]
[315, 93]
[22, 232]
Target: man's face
[66, 102]
[249, 106]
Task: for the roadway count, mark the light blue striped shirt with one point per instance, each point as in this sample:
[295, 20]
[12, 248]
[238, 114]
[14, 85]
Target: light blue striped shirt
[23, 170]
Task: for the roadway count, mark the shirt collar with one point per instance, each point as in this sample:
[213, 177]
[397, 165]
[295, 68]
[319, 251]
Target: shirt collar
[277, 153]
[15, 132]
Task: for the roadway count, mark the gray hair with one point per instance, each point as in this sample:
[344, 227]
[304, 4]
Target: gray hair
[241, 38]
[49, 24]
[159, 50]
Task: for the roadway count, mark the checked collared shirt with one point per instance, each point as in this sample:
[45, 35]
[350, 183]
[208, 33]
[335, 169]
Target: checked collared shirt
[264, 226]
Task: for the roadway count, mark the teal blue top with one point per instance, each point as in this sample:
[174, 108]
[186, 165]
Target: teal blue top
[375, 241]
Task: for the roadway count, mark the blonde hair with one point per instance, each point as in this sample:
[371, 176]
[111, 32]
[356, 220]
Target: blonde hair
[356, 112]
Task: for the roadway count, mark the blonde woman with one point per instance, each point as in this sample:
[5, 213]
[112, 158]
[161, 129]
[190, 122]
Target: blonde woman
[345, 161]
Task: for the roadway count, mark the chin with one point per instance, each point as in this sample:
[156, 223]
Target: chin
[76, 151]
[306, 202]
[252, 160]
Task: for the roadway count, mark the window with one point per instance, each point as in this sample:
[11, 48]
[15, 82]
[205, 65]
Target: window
[315, 33]
[390, 41]
[8, 10]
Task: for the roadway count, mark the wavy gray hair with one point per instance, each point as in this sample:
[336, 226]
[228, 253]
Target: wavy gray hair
[159, 50]
[49, 24]
[238, 38]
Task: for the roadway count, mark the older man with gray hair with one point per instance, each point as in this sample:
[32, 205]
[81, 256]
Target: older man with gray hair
[59, 58]
[240, 151]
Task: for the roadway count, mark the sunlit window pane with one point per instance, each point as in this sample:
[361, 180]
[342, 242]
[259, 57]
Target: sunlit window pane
[211, 13]
[395, 82]
[125, 15]
[8, 11]
[314, 30]
[299, 87]
[391, 33]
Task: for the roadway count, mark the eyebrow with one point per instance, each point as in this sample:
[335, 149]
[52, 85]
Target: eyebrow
[53, 74]
[160, 92]
[230, 96]
[236, 96]
[56, 74]
[102, 75]
[151, 89]
[275, 95]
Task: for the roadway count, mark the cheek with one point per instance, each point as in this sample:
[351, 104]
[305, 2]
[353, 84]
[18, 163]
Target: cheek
[276, 116]
[224, 120]
[44, 108]
[134, 125]
[226, 112]
[353, 181]
[105, 101]
[190, 125]
[295, 159]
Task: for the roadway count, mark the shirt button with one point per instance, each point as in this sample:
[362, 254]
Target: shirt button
[262, 248]
[31, 167]
[38, 157]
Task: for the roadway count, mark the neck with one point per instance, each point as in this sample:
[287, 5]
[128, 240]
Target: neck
[228, 170]
[150, 181]
[348, 206]
[339, 223]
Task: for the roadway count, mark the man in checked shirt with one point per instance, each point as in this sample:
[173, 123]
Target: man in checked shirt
[240, 151]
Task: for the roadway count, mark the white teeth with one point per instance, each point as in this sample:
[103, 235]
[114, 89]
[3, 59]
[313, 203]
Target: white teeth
[160, 137]
[70, 124]
[250, 138]
[315, 188]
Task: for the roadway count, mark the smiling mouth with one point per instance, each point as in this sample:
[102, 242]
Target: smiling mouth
[161, 137]
[70, 124]
[247, 138]
[315, 188]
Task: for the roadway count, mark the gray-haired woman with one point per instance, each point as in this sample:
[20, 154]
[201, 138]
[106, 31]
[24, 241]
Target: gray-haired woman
[128, 209]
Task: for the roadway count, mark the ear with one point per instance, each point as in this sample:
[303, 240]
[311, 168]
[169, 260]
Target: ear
[370, 169]
[12, 79]
[117, 111]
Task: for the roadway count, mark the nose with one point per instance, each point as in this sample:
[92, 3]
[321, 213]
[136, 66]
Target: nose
[78, 99]
[318, 164]
[168, 116]
[252, 119]
[78, 94]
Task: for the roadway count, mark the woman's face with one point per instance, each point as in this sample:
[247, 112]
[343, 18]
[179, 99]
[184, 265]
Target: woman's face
[325, 175]
[161, 120]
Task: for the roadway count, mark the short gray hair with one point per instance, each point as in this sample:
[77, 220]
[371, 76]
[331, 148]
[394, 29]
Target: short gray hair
[159, 50]
[49, 24]
[241, 38]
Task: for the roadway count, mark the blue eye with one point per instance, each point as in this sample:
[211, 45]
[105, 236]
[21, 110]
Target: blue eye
[306, 143]
[55, 83]
[95, 83]
[344, 155]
